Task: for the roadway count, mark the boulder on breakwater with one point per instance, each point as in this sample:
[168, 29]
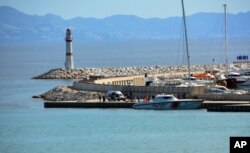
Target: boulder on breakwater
[85, 73]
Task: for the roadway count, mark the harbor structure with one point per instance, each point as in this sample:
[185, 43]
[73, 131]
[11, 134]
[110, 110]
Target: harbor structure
[69, 63]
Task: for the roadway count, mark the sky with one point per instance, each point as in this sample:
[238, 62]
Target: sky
[68, 9]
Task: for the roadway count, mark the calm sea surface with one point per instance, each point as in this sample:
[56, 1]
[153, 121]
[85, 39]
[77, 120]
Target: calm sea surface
[25, 126]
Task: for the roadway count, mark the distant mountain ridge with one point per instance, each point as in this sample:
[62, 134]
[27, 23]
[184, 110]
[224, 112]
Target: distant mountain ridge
[16, 26]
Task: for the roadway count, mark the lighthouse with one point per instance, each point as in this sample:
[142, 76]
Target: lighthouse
[69, 63]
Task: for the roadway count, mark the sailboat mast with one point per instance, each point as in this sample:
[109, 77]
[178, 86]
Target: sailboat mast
[186, 39]
[225, 34]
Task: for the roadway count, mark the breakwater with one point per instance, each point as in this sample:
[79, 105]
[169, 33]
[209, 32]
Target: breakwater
[85, 73]
[67, 93]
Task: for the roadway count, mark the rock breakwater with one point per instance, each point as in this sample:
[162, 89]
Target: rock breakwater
[66, 93]
[85, 73]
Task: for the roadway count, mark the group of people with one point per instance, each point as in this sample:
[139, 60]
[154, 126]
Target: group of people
[102, 98]
[130, 97]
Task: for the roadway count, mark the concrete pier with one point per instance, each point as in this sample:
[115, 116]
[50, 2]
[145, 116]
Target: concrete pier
[210, 104]
[230, 108]
[88, 104]
[215, 106]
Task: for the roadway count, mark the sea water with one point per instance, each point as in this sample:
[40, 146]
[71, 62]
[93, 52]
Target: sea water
[26, 126]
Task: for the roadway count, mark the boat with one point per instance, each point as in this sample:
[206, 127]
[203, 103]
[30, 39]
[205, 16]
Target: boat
[196, 81]
[169, 102]
[161, 81]
[217, 89]
[204, 76]
[237, 76]
[237, 71]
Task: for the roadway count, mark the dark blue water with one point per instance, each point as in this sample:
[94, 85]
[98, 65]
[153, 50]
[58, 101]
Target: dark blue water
[25, 126]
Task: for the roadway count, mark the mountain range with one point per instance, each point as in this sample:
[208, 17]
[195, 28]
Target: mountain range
[16, 26]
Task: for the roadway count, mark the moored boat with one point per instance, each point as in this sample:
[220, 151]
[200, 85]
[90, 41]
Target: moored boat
[169, 102]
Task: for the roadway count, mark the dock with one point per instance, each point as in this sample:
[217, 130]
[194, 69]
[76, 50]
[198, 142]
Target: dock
[227, 106]
[67, 104]
[230, 108]
[211, 106]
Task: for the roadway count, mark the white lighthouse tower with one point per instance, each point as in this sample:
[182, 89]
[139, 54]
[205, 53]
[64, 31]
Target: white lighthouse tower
[69, 63]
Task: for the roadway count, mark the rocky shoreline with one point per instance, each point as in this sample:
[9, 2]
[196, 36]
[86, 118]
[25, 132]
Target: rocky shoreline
[85, 73]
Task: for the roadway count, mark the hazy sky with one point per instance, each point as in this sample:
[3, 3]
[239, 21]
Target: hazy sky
[143, 8]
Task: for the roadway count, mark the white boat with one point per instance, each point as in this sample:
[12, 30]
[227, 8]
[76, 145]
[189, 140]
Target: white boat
[169, 102]
[245, 72]
[237, 76]
[241, 75]
[217, 89]
[194, 80]
[167, 82]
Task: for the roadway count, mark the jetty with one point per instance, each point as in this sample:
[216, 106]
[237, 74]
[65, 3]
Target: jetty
[64, 104]
[108, 72]
[230, 108]
[211, 106]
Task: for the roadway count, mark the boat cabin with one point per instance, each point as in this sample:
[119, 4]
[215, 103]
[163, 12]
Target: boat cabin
[164, 98]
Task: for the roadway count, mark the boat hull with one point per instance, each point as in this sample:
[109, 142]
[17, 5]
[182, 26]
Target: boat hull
[170, 105]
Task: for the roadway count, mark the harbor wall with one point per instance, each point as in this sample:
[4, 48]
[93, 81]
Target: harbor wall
[142, 91]
[138, 80]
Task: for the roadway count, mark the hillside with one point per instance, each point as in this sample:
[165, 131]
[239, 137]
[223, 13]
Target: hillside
[16, 26]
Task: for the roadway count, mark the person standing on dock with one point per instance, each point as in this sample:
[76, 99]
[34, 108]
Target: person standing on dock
[103, 98]
[100, 97]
